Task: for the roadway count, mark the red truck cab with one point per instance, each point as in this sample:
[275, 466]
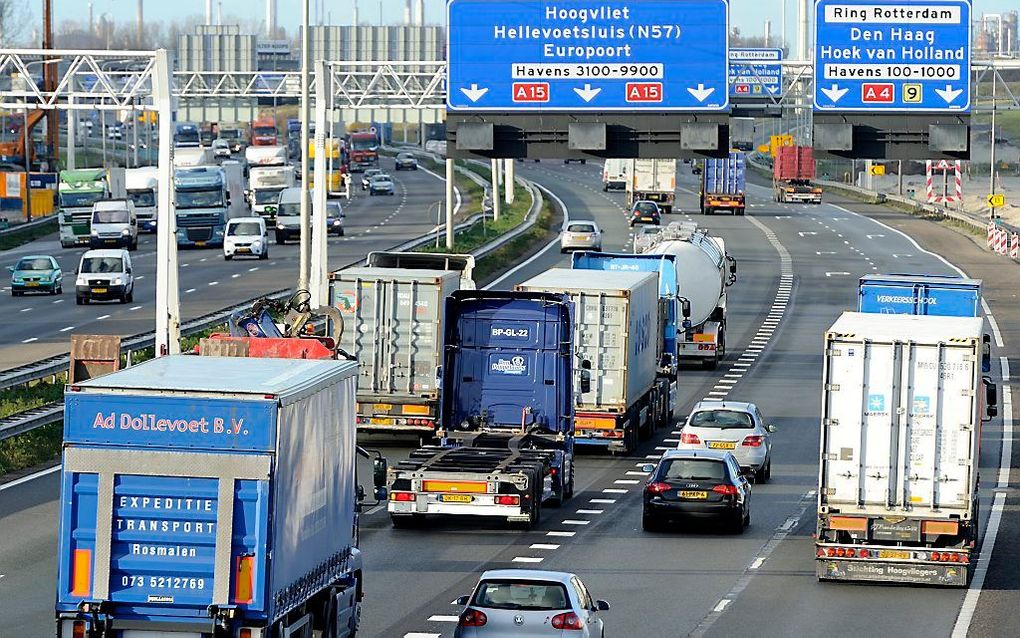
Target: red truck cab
[264, 132]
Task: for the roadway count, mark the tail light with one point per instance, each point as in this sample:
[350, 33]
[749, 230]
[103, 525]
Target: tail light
[473, 618]
[403, 497]
[508, 500]
[865, 553]
[754, 440]
[569, 620]
[244, 580]
[830, 552]
[657, 488]
[244, 633]
[851, 553]
[689, 439]
[820, 553]
[725, 490]
[78, 629]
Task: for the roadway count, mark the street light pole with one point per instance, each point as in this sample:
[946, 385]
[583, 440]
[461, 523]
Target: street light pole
[305, 116]
[991, 157]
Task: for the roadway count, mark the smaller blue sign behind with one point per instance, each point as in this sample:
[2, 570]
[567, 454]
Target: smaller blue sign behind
[756, 73]
[170, 422]
[883, 55]
[647, 55]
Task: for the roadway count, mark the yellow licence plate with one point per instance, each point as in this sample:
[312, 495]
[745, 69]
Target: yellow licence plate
[377, 420]
[200, 243]
[694, 495]
[456, 498]
[383, 407]
[722, 445]
[31, 284]
[242, 249]
[892, 553]
[99, 290]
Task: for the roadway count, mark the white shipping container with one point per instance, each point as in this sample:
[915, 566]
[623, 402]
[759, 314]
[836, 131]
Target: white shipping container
[652, 176]
[901, 415]
[616, 325]
[393, 325]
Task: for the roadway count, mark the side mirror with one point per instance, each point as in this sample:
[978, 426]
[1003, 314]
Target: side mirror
[991, 399]
[685, 308]
[379, 472]
[601, 605]
[585, 376]
[770, 427]
[986, 353]
[462, 600]
[648, 468]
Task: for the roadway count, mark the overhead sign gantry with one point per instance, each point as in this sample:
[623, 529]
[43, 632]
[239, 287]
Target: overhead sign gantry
[615, 78]
[895, 74]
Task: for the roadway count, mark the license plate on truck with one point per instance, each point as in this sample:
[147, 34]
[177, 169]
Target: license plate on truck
[456, 498]
[377, 420]
[894, 553]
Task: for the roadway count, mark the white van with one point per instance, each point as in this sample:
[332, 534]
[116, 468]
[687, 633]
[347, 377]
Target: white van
[104, 275]
[288, 215]
[246, 236]
[114, 223]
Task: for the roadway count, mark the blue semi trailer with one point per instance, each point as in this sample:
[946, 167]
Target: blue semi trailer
[206, 497]
[936, 295]
[506, 417]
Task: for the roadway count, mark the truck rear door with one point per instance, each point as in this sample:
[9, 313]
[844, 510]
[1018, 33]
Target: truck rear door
[165, 506]
[898, 420]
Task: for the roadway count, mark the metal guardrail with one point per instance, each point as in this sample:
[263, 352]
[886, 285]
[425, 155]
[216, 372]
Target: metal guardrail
[35, 223]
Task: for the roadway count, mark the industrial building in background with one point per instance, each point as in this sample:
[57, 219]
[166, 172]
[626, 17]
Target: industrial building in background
[996, 34]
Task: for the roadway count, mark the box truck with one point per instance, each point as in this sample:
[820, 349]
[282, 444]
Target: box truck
[937, 295]
[723, 184]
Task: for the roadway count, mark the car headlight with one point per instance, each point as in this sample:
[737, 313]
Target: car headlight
[81, 281]
[116, 281]
[218, 232]
[336, 222]
[17, 280]
[126, 232]
[95, 233]
[257, 243]
[279, 227]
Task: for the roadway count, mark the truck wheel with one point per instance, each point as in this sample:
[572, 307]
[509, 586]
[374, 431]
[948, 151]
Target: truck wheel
[568, 491]
[710, 364]
[740, 211]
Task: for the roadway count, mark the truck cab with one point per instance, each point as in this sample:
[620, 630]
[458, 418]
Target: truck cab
[202, 206]
[142, 185]
[364, 151]
[265, 183]
[264, 133]
[77, 192]
[114, 224]
[187, 135]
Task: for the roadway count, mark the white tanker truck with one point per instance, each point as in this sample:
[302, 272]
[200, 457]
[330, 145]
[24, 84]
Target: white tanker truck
[703, 272]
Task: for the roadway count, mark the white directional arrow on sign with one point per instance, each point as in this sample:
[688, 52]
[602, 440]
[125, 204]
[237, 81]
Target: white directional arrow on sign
[587, 93]
[474, 93]
[835, 93]
[701, 93]
[949, 93]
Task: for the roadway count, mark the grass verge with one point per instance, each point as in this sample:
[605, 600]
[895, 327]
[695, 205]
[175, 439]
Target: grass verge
[521, 247]
[24, 236]
[485, 230]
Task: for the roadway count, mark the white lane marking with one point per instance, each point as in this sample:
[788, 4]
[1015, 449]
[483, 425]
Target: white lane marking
[992, 322]
[544, 546]
[59, 301]
[807, 233]
[182, 266]
[140, 277]
[625, 482]
[589, 512]
[101, 317]
[758, 562]
[662, 447]
[441, 618]
[635, 473]
[561, 533]
[962, 626]
[253, 269]
[30, 477]
[1004, 362]
[234, 276]
[602, 501]
[30, 340]
[719, 608]
[872, 236]
[571, 521]
[527, 559]
[25, 310]
[670, 440]
[419, 634]
[214, 283]
[135, 308]
[613, 490]
[67, 328]
[189, 290]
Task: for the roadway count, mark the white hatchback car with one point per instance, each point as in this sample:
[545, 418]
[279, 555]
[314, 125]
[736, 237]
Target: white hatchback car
[733, 426]
[246, 236]
[581, 235]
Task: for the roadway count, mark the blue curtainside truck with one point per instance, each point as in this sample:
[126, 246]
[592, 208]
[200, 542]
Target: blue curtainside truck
[936, 295]
[207, 497]
[506, 416]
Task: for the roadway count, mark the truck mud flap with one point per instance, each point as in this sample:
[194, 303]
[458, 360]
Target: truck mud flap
[888, 572]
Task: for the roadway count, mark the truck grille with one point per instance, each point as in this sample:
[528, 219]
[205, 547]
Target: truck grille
[199, 234]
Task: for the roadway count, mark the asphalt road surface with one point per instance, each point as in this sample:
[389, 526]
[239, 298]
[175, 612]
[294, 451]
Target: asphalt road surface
[39, 326]
[798, 267]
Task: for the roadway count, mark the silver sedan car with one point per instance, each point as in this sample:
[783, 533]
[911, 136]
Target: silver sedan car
[733, 426]
[584, 235]
[522, 603]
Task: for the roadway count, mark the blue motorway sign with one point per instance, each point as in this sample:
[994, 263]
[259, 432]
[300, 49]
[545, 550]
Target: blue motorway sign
[756, 72]
[888, 55]
[623, 55]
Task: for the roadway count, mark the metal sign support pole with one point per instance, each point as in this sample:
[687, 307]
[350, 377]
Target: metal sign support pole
[991, 157]
[168, 311]
[318, 280]
[449, 204]
[510, 167]
[72, 134]
[494, 170]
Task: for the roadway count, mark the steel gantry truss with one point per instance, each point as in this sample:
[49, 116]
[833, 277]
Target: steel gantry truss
[85, 81]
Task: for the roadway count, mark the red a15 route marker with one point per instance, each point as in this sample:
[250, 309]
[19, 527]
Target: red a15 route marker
[644, 91]
[531, 91]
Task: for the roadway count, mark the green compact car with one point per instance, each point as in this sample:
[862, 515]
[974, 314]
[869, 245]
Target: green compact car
[36, 273]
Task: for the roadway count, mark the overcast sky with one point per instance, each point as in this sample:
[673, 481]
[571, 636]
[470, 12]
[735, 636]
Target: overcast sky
[749, 15]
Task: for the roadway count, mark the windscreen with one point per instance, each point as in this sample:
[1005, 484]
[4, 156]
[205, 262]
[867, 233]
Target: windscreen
[368, 144]
[580, 228]
[725, 419]
[102, 265]
[110, 217]
[34, 263]
[646, 207]
[267, 195]
[694, 470]
[264, 131]
[289, 210]
[80, 200]
[143, 198]
[211, 198]
[244, 229]
[527, 595]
